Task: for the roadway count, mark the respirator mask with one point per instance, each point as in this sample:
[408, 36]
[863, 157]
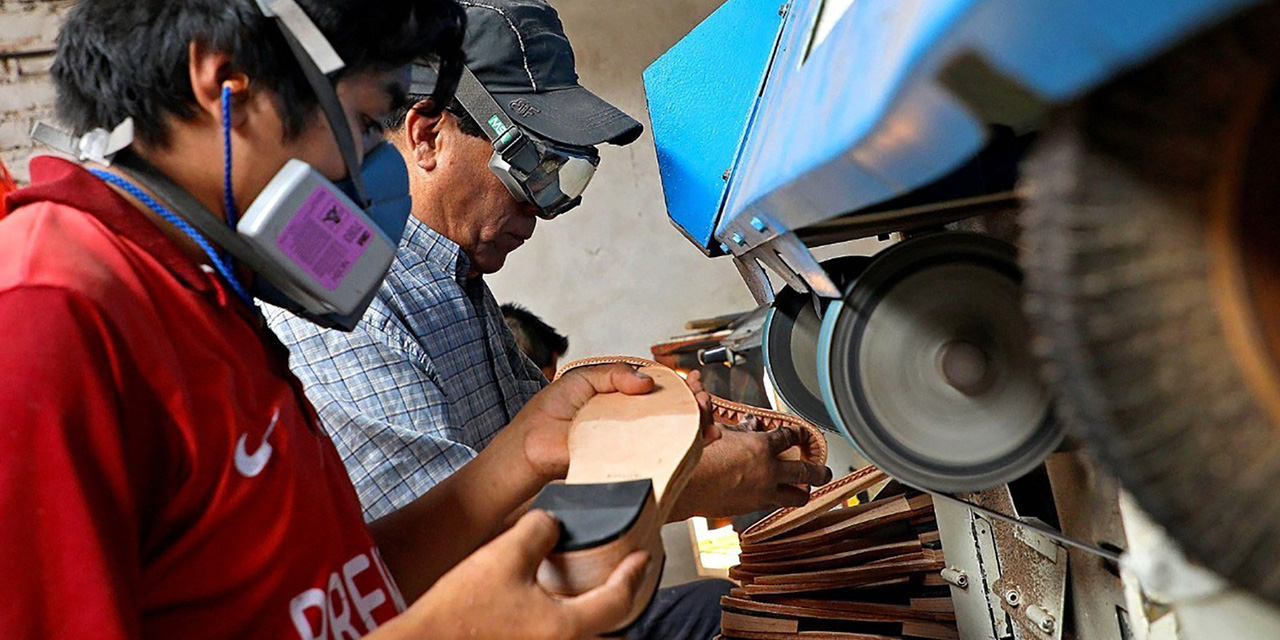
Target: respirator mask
[541, 172]
[320, 249]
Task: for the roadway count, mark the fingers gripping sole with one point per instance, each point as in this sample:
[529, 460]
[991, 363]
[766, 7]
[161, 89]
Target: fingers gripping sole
[629, 459]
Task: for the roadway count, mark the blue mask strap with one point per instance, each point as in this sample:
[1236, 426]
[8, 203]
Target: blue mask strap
[221, 265]
[228, 196]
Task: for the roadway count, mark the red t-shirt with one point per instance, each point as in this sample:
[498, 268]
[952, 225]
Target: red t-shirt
[161, 473]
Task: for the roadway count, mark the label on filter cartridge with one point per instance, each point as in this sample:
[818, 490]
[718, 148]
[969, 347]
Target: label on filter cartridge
[326, 238]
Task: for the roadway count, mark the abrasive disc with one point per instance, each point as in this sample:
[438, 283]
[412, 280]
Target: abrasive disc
[925, 365]
[790, 343]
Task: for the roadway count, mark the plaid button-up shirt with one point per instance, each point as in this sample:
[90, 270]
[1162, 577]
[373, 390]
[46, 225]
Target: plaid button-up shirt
[425, 380]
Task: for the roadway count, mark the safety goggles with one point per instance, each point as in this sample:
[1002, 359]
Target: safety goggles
[545, 174]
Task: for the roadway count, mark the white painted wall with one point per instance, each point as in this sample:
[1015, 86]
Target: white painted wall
[614, 275]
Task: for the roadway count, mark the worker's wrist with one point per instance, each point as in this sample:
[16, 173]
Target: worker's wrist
[690, 501]
[519, 461]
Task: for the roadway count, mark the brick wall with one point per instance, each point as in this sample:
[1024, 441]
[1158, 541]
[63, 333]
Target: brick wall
[27, 32]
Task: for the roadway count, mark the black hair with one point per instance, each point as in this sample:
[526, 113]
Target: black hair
[536, 338]
[466, 124]
[122, 58]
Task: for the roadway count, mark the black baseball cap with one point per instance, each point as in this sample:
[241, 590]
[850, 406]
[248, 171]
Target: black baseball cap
[517, 49]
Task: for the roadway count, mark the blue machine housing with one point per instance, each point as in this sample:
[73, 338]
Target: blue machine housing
[701, 95]
[877, 108]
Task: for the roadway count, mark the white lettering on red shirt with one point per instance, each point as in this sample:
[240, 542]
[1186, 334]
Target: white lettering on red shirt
[320, 614]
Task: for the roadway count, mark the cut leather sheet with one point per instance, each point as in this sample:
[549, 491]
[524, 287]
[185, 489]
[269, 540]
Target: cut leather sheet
[746, 625]
[899, 508]
[734, 625]
[852, 576]
[930, 630]
[837, 593]
[805, 635]
[833, 560]
[870, 510]
[832, 571]
[822, 500]
[939, 608]
[885, 534]
[812, 446]
[749, 626]
[863, 578]
[927, 609]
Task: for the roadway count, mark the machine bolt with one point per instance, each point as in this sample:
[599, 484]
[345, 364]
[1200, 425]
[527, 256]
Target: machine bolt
[1041, 619]
[782, 11]
[726, 174]
[758, 225]
[738, 239]
[1013, 597]
[956, 577]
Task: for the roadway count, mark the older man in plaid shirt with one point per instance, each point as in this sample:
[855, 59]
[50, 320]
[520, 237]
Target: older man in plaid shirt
[432, 373]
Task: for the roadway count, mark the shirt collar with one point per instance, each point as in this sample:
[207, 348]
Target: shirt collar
[67, 183]
[439, 252]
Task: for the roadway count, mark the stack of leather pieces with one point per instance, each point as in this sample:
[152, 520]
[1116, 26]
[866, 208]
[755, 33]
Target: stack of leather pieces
[829, 571]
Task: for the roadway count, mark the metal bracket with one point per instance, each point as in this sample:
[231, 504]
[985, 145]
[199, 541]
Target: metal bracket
[757, 280]
[789, 258]
[970, 552]
[1015, 574]
[1035, 526]
[1043, 544]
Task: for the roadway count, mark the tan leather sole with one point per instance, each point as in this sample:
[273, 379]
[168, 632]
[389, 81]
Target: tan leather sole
[813, 444]
[618, 438]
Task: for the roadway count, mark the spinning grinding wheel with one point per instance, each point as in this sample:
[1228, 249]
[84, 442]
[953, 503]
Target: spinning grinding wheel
[925, 366]
[790, 344]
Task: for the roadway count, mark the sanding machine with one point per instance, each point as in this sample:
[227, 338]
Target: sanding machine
[1078, 225]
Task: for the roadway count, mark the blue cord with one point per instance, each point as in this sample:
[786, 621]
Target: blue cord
[229, 197]
[218, 262]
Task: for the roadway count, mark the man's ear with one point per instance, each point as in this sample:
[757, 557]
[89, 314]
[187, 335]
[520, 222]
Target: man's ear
[209, 71]
[423, 138]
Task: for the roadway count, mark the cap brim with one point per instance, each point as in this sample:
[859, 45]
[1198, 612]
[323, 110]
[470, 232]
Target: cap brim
[572, 116]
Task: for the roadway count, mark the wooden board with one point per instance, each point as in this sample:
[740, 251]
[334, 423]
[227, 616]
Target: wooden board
[828, 571]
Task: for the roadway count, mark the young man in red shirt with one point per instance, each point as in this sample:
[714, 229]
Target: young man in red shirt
[161, 473]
